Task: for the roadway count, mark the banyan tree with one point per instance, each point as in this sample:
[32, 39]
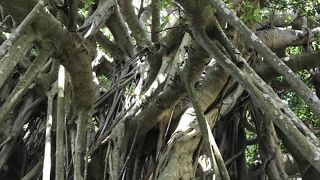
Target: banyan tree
[159, 89]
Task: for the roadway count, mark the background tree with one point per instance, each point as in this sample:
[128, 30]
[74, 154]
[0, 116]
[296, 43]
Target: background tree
[154, 89]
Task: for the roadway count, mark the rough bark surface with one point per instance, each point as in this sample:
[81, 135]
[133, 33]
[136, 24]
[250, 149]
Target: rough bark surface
[127, 89]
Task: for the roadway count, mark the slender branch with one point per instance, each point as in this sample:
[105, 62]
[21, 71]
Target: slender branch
[47, 149]
[235, 156]
[194, 69]
[108, 46]
[80, 146]
[103, 12]
[296, 63]
[155, 21]
[220, 162]
[5, 141]
[59, 169]
[120, 32]
[86, 161]
[201, 119]
[73, 15]
[169, 43]
[105, 137]
[141, 9]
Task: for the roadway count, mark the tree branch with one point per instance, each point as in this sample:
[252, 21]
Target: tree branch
[121, 34]
[96, 20]
[281, 38]
[155, 21]
[73, 15]
[296, 63]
